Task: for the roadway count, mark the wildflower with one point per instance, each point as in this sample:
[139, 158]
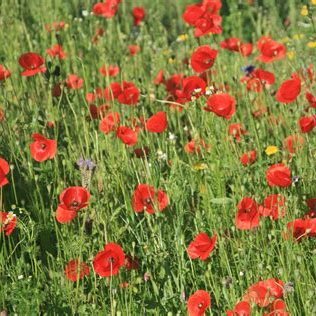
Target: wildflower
[139, 14]
[248, 215]
[202, 246]
[203, 58]
[182, 37]
[109, 261]
[279, 175]
[110, 122]
[76, 270]
[147, 198]
[56, 51]
[8, 222]
[271, 150]
[198, 303]
[311, 44]
[4, 73]
[43, 148]
[86, 167]
[222, 104]
[270, 50]
[289, 90]
[4, 170]
[32, 64]
[74, 82]
[72, 200]
[241, 309]
[304, 10]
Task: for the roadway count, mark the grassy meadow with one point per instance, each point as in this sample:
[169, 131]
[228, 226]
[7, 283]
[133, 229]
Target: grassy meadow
[193, 161]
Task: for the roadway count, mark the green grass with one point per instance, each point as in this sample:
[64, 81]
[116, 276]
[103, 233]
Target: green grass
[33, 258]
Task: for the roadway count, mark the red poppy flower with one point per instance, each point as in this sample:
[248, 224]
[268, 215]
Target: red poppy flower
[259, 79]
[98, 111]
[106, 9]
[237, 130]
[222, 104]
[43, 148]
[56, 51]
[32, 64]
[129, 94]
[8, 222]
[109, 261]
[76, 270]
[307, 123]
[208, 23]
[202, 246]
[198, 303]
[192, 13]
[112, 92]
[127, 135]
[203, 58]
[248, 158]
[248, 215]
[270, 50]
[109, 71]
[311, 99]
[71, 200]
[263, 293]
[192, 88]
[4, 73]
[241, 309]
[293, 143]
[133, 49]
[157, 123]
[139, 14]
[147, 198]
[279, 175]
[274, 206]
[74, 82]
[246, 49]
[110, 122]
[4, 170]
[289, 90]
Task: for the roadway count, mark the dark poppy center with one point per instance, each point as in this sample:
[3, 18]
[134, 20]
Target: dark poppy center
[74, 203]
[43, 146]
[148, 201]
[111, 260]
[200, 305]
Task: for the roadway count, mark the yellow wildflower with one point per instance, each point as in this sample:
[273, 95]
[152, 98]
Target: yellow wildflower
[313, 2]
[200, 166]
[182, 37]
[271, 150]
[291, 55]
[304, 10]
[298, 36]
[311, 44]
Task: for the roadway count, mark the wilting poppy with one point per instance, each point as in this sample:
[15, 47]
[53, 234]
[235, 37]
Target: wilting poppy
[270, 50]
[300, 228]
[110, 122]
[157, 123]
[43, 148]
[274, 206]
[248, 158]
[309, 97]
[109, 261]
[241, 309]
[75, 270]
[222, 104]
[293, 143]
[111, 70]
[56, 51]
[32, 64]
[131, 263]
[74, 82]
[263, 293]
[8, 222]
[248, 215]
[71, 200]
[279, 175]
[198, 303]
[4, 170]
[195, 146]
[203, 58]
[237, 130]
[289, 90]
[127, 135]
[4, 73]
[147, 198]
[139, 14]
[202, 246]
